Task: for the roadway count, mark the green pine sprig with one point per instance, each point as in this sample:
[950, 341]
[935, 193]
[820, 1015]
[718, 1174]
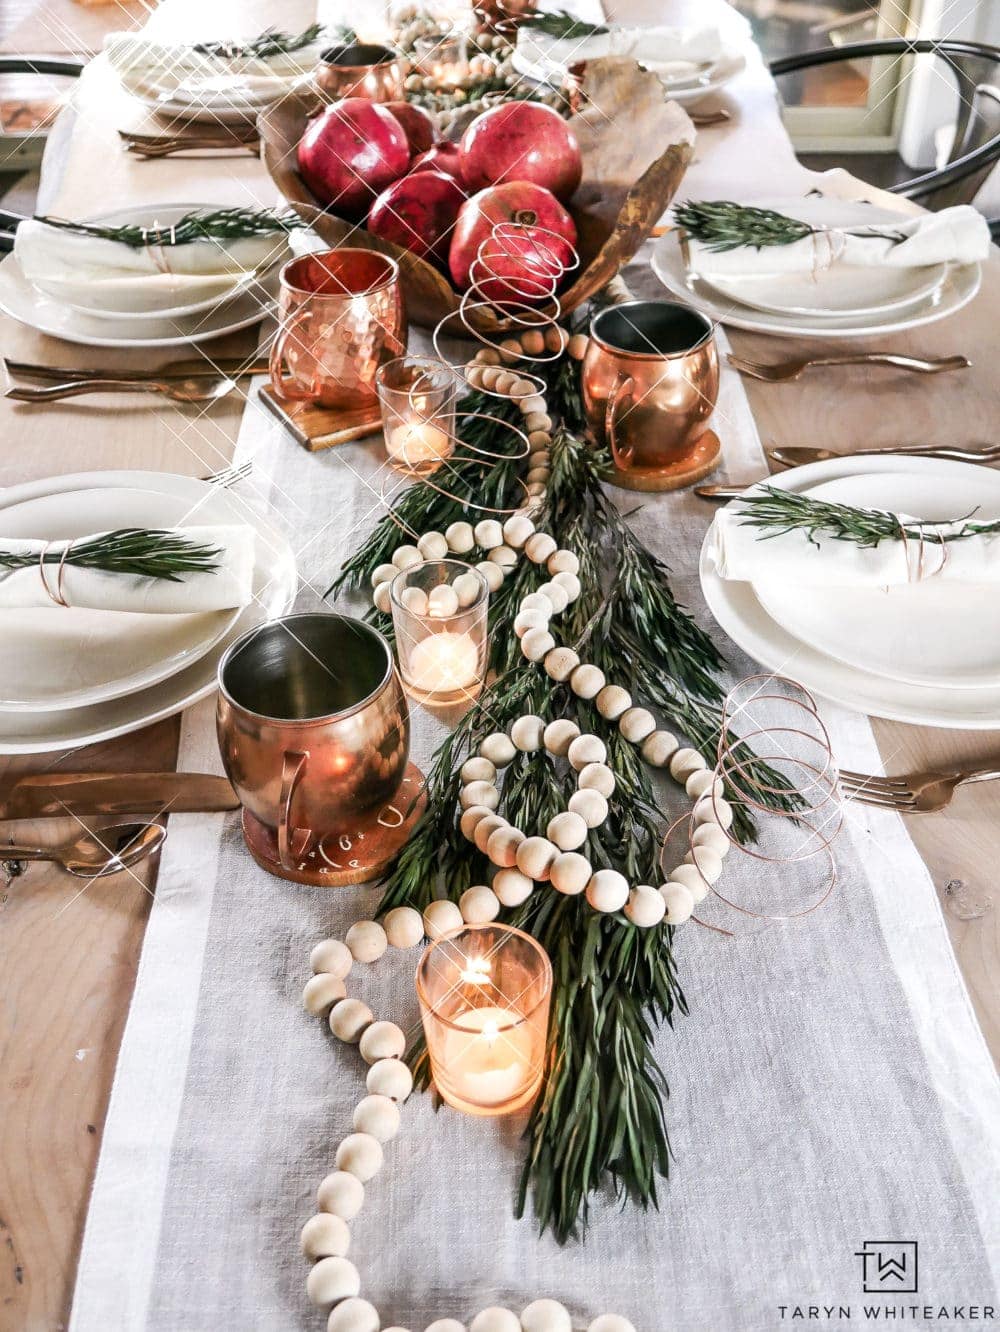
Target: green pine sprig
[559, 23]
[269, 43]
[721, 225]
[221, 224]
[140, 552]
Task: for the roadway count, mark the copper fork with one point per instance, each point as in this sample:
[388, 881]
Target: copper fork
[915, 792]
[781, 372]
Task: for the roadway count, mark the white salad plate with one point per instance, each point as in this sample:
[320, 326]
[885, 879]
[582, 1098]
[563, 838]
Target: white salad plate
[274, 588]
[939, 634]
[165, 296]
[684, 82]
[873, 301]
[59, 657]
[738, 610]
[226, 100]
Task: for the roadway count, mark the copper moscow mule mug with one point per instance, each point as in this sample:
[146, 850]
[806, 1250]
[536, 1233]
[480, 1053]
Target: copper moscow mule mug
[650, 384]
[313, 727]
[340, 316]
[362, 69]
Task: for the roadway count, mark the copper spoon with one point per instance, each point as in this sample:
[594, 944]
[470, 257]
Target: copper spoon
[94, 855]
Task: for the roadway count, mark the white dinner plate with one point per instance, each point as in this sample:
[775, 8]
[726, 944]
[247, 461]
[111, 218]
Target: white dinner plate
[944, 635]
[28, 305]
[59, 657]
[738, 611]
[957, 287]
[275, 585]
[694, 83]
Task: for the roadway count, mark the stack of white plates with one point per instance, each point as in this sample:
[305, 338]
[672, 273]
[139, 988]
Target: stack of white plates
[161, 310]
[842, 301]
[927, 652]
[71, 677]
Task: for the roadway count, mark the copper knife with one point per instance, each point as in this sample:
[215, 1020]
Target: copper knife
[191, 369]
[48, 794]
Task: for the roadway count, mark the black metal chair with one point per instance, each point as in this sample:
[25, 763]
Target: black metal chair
[976, 148]
[29, 64]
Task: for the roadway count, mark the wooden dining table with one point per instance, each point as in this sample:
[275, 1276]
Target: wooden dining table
[69, 950]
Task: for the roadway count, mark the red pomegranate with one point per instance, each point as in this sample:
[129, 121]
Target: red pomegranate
[351, 152]
[521, 141]
[418, 125]
[446, 157]
[418, 212]
[514, 243]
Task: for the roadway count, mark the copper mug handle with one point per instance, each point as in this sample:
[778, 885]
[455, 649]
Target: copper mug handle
[285, 389]
[620, 392]
[293, 768]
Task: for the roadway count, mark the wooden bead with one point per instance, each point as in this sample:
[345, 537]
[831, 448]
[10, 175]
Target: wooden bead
[645, 907]
[563, 561]
[405, 557]
[504, 383]
[460, 537]
[587, 681]
[534, 601]
[498, 748]
[492, 573]
[612, 701]
[502, 846]
[541, 474]
[325, 1236]
[537, 421]
[538, 441]
[505, 556]
[517, 529]
[527, 733]
[539, 546]
[512, 887]
[475, 375]
[332, 955]
[707, 863]
[488, 534]
[382, 597]
[445, 1325]
[557, 595]
[332, 1279]
[479, 793]
[570, 584]
[536, 643]
[591, 807]
[488, 378]
[532, 405]
[560, 663]
[404, 927]
[342, 1194]
[555, 341]
[577, 346]
[390, 1077]
[377, 1116]
[510, 349]
[349, 1018]
[712, 810]
[478, 769]
[546, 1316]
[485, 829]
[413, 599]
[684, 763]
[530, 619]
[354, 1315]
[495, 1319]
[479, 905]
[360, 1154]
[321, 993]
[702, 783]
[382, 1040]
[559, 735]
[535, 856]
[384, 573]
[366, 940]
[610, 1323]
[691, 879]
[568, 830]
[468, 588]
[597, 777]
[433, 545]
[533, 342]
[442, 601]
[522, 389]
[586, 749]
[441, 916]
[712, 836]
[659, 748]
[488, 356]
[679, 902]
[607, 890]
[570, 873]
[636, 724]
[471, 819]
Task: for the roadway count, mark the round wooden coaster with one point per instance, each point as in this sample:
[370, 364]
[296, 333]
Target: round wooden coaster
[339, 859]
[703, 460]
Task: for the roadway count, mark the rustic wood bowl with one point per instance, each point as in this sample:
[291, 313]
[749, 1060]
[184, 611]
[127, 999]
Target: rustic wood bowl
[635, 149]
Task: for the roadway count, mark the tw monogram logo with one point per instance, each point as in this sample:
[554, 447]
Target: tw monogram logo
[889, 1267]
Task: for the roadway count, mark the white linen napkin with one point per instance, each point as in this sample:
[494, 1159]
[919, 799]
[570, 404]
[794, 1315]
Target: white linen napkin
[154, 68]
[958, 235]
[742, 553]
[229, 586]
[51, 254]
[664, 50]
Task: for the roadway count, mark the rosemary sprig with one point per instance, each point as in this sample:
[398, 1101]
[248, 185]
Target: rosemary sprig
[722, 225]
[222, 224]
[777, 512]
[141, 552]
[269, 43]
[559, 23]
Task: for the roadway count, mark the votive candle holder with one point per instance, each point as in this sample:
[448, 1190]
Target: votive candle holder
[439, 614]
[417, 396]
[484, 993]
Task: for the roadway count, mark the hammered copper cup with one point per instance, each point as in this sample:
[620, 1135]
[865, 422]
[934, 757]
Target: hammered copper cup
[340, 316]
[361, 69]
[313, 727]
[650, 385]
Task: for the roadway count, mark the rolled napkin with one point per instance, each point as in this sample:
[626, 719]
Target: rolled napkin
[152, 68]
[225, 587]
[959, 235]
[749, 554]
[664, 50]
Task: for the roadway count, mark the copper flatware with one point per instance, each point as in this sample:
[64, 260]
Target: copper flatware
[724, 492]
[800, 455]
[174, 147]
[94, 855]
[49, 794]
[782, 372]
[706, 119]
[177, 390]
[234, 135]
[203, 367]
[914, 793]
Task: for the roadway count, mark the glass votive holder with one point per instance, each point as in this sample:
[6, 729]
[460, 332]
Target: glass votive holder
[417, 396]
[439, 614]
[443, 57]
[484, 993]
